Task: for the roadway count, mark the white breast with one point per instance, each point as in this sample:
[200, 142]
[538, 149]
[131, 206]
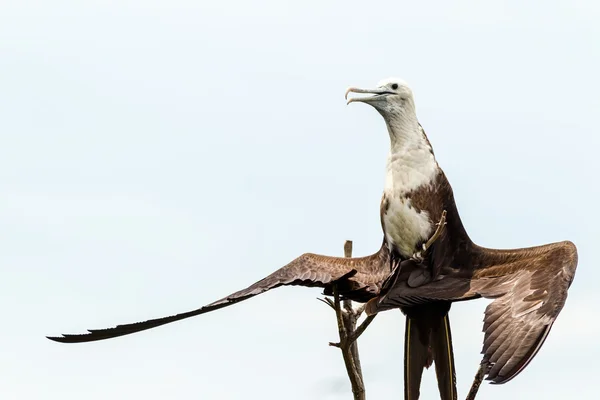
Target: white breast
[411, 165]
[404, 226]
[409, 168]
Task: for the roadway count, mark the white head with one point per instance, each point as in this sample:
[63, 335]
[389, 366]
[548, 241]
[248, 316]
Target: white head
[392, 98]
[411, 163]
[395, 102]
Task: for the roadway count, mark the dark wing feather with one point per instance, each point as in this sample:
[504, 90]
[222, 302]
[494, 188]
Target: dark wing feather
[529, 288]
[356, 275]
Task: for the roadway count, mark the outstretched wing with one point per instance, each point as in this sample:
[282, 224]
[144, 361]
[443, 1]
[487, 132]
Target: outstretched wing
[529, 288]
[529, 292]
[356, 276]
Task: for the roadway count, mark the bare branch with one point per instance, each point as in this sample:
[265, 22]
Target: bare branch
[361, 328]
[477, 380]
[339, 314]
[347, 317]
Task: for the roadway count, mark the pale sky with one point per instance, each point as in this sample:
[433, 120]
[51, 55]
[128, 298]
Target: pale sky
[156, 156]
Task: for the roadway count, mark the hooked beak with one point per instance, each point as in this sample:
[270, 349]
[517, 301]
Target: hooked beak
[378, 94]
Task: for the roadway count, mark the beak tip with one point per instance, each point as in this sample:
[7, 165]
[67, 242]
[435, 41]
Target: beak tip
[347, 93]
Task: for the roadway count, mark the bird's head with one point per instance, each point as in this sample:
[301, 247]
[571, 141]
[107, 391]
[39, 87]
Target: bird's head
[391, 97]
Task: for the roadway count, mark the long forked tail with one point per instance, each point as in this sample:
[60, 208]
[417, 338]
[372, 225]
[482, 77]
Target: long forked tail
[428, 340]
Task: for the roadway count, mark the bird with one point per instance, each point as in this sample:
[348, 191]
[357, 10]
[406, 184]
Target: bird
[528, 285]
[413, 200]
[426, 261]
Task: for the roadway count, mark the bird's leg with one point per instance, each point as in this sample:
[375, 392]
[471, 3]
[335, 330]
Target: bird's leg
[423, 273]
[440, 227]
[419, 256]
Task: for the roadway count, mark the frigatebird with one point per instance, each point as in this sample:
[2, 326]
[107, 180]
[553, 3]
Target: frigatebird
[529, 285]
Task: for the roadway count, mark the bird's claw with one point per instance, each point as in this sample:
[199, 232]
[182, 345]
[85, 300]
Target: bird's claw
[418, 256]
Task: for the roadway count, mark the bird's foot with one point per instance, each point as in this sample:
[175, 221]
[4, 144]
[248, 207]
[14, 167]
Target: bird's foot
[418, 256]
[440, 227]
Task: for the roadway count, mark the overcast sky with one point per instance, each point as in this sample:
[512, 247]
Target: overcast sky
[158, 155]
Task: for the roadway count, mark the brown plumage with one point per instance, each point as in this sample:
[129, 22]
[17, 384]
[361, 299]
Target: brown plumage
[529, 286]
[357, 279]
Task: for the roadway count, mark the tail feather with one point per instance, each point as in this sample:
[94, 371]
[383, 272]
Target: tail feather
[444, 360]
[428, 340]
[416, 357]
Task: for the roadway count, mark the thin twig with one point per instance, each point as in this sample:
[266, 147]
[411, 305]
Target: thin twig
[327, 301]
[361, 328]
[477, 381]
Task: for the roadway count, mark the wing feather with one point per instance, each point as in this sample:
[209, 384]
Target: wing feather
[364, 274]
[528, 287]
[532, 292]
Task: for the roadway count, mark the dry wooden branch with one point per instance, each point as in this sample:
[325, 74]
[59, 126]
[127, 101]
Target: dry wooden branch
[477, 381]
[347, 317]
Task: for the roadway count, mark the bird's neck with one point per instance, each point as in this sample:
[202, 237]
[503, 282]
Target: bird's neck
[411, 163]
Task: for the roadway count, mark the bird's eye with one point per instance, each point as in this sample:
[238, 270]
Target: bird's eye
[395, 86]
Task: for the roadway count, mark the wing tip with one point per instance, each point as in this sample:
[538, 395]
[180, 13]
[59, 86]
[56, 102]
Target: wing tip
[65, 338]
[501, 379]
[92, 335]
